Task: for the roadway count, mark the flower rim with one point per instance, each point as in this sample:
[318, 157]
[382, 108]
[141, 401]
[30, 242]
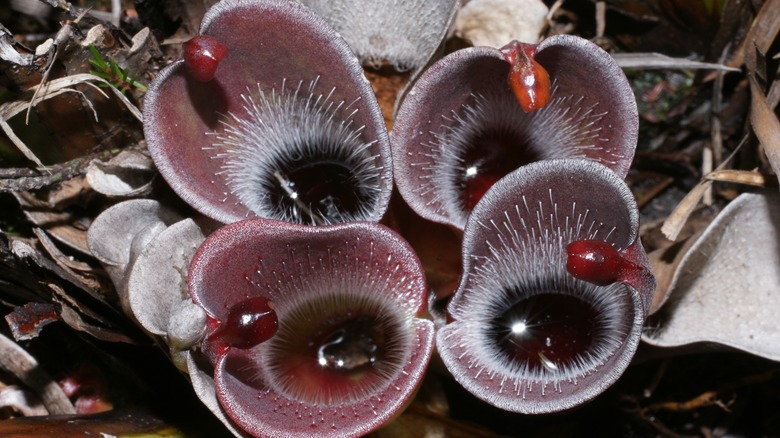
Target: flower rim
[517, 237]
[192, 115]
[369, 249]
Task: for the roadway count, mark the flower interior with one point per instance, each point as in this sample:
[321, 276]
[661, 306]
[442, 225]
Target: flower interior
[294, 155]
[337, 348]
[462, 128]
[552, 329]
[525, 334]
[287, 127]
[490, 135]
[350, 349]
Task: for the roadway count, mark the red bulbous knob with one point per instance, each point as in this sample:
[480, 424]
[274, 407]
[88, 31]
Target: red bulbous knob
[595, 261]
[202, 56]
[248, 323]
[527, 78]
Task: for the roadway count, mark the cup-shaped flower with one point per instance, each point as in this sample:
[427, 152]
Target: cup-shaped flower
[525, 334]
[480, 113]
[349, 351]
[270, 115]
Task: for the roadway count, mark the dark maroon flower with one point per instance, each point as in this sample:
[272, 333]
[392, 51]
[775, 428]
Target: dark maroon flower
[280, 124]
[350, 349]
[525, 334]
[461, 128]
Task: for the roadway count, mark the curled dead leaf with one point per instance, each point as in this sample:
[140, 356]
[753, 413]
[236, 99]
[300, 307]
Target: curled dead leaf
[766, 125]
[495, 23]
[726, 289]
[128, 174]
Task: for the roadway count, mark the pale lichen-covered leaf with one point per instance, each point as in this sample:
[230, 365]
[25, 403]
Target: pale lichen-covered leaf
[726, 290]
[122, 231]
[404, 33]
[157, 279]
[495, 23]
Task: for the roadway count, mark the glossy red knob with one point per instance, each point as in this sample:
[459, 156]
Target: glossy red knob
[595, 261]
[202, 56]
[248, 323]
[527, 78]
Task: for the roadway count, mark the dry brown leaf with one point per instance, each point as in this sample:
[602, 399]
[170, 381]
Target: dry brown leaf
[68, 264]
[765, 125]
[49, 90]
[747, 177]
[74, 319]
[664, 263]
[675, 222]
[761, 34]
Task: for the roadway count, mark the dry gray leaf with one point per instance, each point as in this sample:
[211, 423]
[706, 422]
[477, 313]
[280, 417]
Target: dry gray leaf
[121, 232]
[128, 174]
[17, 361]
[203, 383]
[8, 49]
[157, 284]
[22, 401]
[726, 289]
[404, 33]
[660, 61]
[495, 23]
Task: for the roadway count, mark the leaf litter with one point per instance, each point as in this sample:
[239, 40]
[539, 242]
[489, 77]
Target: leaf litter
[713, 141]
